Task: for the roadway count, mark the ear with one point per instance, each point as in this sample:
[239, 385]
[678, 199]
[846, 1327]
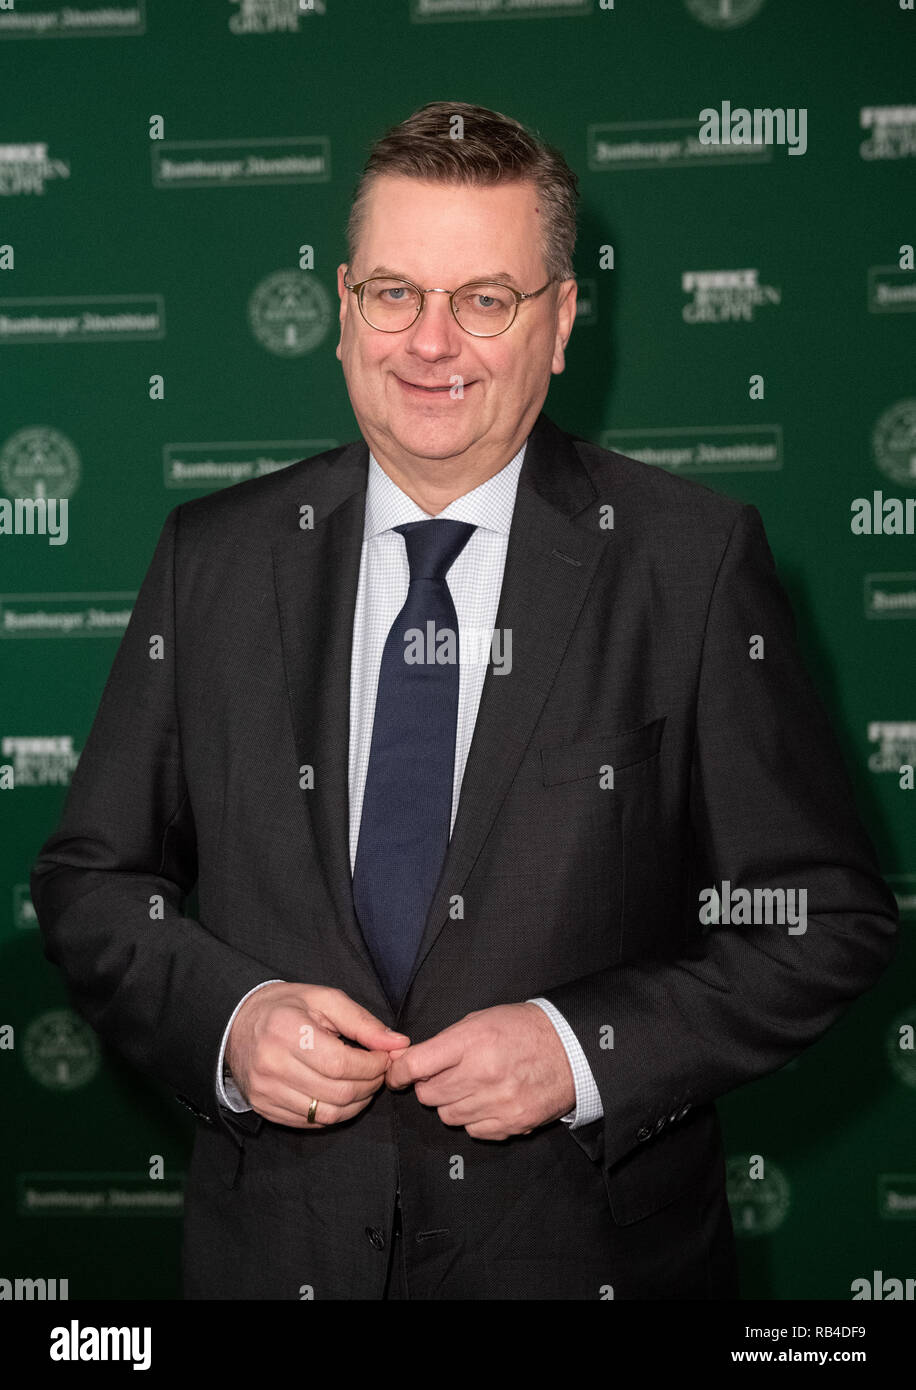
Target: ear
[342, 290]
[566, 317]
[344, 295]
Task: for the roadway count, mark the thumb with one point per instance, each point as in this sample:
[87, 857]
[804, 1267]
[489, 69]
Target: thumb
[355, 1022]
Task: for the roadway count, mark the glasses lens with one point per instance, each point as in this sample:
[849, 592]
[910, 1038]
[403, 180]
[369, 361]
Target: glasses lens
[389, 305]
[485, 309]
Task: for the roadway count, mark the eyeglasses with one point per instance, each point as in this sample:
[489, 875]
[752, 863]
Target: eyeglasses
[480, 308]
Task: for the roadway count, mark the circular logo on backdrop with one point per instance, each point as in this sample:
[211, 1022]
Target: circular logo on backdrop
[290, 312]
[39, 462]
[723, 14]
[901, 1047]
[60, 1050]
[894, 443]
[758, 1205]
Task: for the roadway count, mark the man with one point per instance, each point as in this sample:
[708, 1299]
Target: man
[451, 1018]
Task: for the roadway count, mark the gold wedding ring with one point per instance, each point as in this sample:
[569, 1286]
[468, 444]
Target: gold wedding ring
[311, 1115]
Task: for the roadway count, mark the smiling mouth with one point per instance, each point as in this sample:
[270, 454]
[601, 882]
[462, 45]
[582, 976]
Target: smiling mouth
[430, 390]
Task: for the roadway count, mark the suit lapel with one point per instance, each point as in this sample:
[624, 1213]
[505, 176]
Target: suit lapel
[316, 575]
[550, 563]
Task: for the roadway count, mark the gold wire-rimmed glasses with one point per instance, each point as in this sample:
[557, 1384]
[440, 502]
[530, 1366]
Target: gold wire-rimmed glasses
[483, 308]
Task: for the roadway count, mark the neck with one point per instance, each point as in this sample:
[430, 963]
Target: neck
[433, 483]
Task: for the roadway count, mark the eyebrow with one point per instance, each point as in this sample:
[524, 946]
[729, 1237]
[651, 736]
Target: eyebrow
[488, 277]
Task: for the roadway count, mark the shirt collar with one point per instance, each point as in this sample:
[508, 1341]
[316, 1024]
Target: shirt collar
[488, 506]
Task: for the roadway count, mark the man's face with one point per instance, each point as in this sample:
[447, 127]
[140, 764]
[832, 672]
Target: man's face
[441, 235]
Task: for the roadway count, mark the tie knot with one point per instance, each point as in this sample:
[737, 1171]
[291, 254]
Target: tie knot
[434, 546]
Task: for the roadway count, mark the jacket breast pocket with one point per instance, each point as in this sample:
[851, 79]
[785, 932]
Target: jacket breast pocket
[574, 762]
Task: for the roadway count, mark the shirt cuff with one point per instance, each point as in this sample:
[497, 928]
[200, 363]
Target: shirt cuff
[227, 1092]
[588, 1100]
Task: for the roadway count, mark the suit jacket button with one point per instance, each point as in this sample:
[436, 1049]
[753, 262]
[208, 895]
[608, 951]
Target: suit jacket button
[660, 1123]
[375, 1238]
[683, 1111]
[645, 1132]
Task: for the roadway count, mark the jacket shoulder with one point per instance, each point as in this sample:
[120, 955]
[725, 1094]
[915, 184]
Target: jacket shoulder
[273, 501]
[654, 490]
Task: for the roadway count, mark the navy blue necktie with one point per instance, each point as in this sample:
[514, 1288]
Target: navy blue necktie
[407, 804]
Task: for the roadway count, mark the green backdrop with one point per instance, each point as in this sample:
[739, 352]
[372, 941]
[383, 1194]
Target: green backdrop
[127, 259]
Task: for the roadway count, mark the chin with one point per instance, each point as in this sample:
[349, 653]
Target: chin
[432, 438]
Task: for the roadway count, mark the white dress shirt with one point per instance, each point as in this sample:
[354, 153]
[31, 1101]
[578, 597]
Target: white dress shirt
[474, 582]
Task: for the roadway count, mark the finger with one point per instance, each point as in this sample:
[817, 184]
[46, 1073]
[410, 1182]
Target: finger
[280, 1100]
[426, 1059]
[312, 1080]
[300, 1030]
[279, 1115]
[353, 1021]
[332, 1056]
[448, 1088]
[468, 1111]
[488, 1129]
[325, 1117]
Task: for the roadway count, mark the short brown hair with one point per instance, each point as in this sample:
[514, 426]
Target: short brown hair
[493, 149]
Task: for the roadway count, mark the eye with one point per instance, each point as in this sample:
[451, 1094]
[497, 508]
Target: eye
[488, 299]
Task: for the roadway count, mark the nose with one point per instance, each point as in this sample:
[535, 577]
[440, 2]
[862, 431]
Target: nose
[435, 330]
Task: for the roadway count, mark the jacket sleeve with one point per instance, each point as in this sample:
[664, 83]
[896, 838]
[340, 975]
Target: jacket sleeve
[110, 885]
[771, 806]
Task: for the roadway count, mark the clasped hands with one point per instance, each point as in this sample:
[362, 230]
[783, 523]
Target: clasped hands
[496, 1072]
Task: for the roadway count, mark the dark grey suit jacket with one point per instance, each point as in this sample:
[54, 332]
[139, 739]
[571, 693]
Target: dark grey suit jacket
[630, 650]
